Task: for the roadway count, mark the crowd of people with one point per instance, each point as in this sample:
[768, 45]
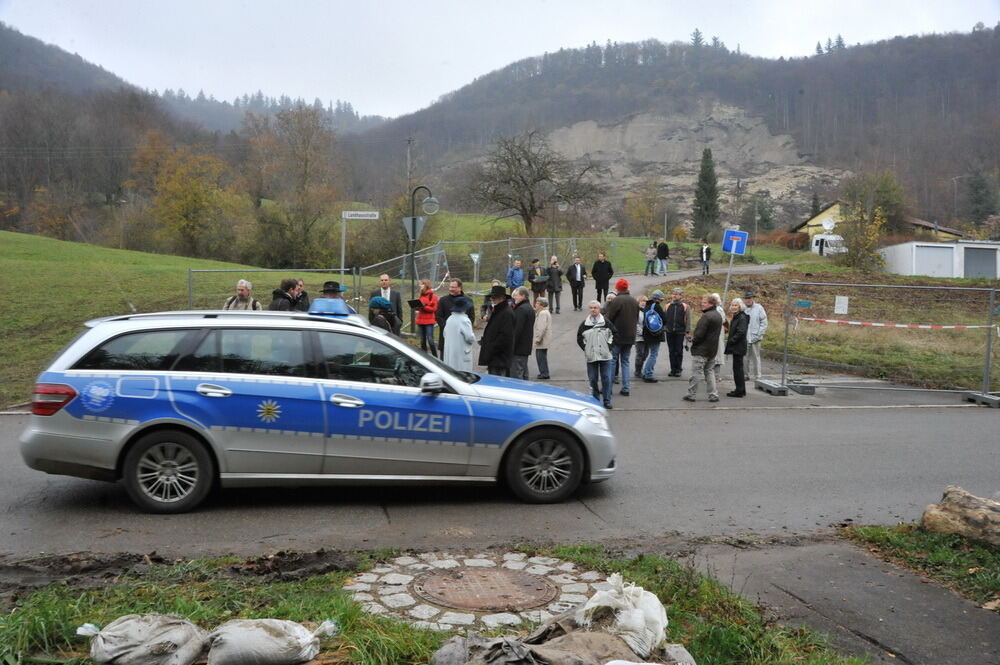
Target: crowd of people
[517, 321]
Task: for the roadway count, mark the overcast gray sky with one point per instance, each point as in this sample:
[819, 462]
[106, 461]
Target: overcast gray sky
[391, 57]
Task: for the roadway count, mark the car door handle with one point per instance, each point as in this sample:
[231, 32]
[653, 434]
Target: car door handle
[210, 390]
[347, 401]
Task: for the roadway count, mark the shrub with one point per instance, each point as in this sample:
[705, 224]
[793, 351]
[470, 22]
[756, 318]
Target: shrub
[786, 239]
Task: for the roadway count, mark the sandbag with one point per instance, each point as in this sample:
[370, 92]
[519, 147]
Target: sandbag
[629, 611]
[148, 639]
[265, 642]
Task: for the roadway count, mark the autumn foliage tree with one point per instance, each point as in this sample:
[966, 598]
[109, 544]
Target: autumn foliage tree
[861, 231]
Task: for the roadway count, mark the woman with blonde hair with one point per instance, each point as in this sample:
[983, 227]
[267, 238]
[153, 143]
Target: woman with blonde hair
[736, 345]
[425, 316]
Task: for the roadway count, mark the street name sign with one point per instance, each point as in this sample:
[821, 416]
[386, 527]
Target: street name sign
[359, 214]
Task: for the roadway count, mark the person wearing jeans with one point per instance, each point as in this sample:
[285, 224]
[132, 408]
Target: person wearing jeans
[426, 313]
[652, 339]
[704, 346]
[594, 336]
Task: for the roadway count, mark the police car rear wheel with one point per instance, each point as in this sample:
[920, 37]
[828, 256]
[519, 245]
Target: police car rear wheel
[544, 467]
[168, 472]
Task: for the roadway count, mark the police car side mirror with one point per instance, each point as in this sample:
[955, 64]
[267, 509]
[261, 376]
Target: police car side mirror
[431, 383]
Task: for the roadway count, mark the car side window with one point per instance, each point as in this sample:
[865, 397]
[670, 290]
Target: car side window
[237, 351]
[355, 358]
[148, 350]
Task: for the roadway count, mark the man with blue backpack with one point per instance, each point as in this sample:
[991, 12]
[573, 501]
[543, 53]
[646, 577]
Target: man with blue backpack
[653, 333]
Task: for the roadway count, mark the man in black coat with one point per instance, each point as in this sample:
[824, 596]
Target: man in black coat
[602, 272]
[394, 297]
[662, 256]
[623, 313]
[497, 350]
[524, 332]
[447, 304]
[704, 347]
[575, 276]
[283, 298]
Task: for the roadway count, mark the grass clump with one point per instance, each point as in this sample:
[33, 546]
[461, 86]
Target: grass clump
[970, 567]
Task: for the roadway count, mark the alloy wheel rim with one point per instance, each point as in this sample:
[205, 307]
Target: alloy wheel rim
[167, 472]
[546, 465]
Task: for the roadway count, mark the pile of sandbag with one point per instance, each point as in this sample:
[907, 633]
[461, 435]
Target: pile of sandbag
[160, 639]
[620, 624]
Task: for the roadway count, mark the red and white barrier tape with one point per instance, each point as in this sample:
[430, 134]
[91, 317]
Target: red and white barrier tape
[920, 326]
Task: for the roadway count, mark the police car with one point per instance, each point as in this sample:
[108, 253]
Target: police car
[175, 403]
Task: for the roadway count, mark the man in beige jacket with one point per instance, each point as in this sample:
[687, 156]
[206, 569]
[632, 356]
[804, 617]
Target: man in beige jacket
[543, 333]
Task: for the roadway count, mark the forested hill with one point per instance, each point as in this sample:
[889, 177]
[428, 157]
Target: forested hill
[28, 64]
[926, 106]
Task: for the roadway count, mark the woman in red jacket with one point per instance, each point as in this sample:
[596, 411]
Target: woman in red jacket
[425, 316]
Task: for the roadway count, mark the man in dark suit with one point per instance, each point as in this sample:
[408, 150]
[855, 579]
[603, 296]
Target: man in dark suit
[497, 351]
[386, 291]
[575, 276]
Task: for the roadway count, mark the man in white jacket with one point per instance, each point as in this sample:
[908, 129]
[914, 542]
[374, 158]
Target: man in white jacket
[755, 333]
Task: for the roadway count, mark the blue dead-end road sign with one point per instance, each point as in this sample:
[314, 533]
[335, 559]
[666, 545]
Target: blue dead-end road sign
[735, 242]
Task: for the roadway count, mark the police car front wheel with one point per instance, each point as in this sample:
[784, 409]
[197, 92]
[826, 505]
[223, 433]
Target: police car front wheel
[168, 472]
[544, 466]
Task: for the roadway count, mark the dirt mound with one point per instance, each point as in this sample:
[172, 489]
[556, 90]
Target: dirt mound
[296, 565]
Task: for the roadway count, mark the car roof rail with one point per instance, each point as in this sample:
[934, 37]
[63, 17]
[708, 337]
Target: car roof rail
[351, 319]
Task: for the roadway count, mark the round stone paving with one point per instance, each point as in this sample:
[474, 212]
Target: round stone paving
[485, 589]
[445, 591]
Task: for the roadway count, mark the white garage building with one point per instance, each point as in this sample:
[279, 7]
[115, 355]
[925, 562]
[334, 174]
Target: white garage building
[964, 258]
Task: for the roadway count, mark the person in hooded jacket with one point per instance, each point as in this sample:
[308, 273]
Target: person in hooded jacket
[283, 298]
[497, 345]
[458, 332]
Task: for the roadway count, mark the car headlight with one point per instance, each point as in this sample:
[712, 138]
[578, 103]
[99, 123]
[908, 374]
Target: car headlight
[597, 419]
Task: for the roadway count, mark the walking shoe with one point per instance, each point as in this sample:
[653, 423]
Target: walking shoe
[713, 398]
[689, 398]
[649, 379]
[607, 405]
[624, 392]
[735, 393]
[537, 378]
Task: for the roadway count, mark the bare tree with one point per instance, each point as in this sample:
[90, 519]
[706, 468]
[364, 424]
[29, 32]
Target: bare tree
[523, 176]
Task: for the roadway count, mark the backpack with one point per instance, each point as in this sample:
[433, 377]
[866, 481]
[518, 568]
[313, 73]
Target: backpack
[652, 321]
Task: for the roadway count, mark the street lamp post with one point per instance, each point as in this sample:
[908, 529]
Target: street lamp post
[430, 206]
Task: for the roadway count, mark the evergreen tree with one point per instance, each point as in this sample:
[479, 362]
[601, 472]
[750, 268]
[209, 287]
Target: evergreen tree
[839, 44]
[815, 209]
[697, 39]
[981, 197]
[819, 49]
[829, 45]
[706, 198]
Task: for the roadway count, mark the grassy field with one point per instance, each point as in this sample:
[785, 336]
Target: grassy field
[716, 626]
[54, 286]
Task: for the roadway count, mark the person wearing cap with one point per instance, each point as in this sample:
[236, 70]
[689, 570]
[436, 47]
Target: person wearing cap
[623, 312]
[554, 286]
[602, 271]
[676, 326]
[756, 327]
[736, 345]
[542, 335]
[524, 326]
[539, 278]
[242, 299]
[283, 297]
[445, 307]
[386, 291]
[331, 291]
[458, 332]
[497, 345]
[380, 314]
[652, 339]
[704, 346]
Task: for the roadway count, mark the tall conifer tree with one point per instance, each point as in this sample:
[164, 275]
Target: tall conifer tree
[706, 198]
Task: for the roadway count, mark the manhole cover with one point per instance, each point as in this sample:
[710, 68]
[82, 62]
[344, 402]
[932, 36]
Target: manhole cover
[485, 589]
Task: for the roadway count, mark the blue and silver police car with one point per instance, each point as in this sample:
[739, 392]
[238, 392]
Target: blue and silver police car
[174, 403]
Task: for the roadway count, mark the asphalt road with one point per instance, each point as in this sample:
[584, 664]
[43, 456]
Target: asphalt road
[770, 465]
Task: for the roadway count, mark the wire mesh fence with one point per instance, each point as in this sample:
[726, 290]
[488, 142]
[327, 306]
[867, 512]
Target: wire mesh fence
[912, 337]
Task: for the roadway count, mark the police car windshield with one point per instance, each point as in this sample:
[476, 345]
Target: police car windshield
[467, 377]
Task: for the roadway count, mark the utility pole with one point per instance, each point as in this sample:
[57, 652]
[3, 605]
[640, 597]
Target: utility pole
[409, 164]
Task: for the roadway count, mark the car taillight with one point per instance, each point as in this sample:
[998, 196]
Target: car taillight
[50, 397]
